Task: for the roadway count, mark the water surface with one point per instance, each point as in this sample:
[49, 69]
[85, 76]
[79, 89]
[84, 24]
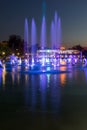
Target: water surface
[43, 101]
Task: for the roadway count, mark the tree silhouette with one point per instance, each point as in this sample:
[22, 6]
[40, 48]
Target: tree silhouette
[15, 43]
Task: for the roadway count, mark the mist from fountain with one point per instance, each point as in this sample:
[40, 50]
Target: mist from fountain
[43, 33]
[56, 32]
[55, 29]
[52, 35]
[26, 37]
[33, 36]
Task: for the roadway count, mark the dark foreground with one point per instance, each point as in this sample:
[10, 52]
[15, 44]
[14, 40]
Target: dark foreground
[29, 102]
[73, 115]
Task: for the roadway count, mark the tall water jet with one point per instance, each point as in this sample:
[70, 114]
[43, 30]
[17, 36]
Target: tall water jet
[33, 41]
[56, 34]
[55, 28]
[52, 35]
[26, 37]
[43, 33]
[33, 36]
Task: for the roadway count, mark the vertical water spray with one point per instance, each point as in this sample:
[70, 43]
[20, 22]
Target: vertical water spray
[55, 28]
[43, 33]
[52, 35]
[33, 41]
[26, 37]
[56, 32]
[33, 36]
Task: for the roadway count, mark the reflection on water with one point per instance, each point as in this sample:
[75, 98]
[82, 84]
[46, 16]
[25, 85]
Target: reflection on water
[50, 98]
[41, 92]
[13, 75]
[0, 77]
[63, 76]
[3, 76]
[55, 94]
[48, 80]
[43, 88]
[34, 96]
[85, 75]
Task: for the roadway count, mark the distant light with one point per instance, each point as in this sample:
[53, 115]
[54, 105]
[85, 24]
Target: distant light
[48, 50]
[3, 53]
[18, 53]
[62, 48]
[13, 54]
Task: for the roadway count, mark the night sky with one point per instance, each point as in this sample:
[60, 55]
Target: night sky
[73, 14]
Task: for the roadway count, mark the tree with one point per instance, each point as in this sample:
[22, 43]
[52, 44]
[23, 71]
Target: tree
[4, 50]
[15, 42]
[77, 47]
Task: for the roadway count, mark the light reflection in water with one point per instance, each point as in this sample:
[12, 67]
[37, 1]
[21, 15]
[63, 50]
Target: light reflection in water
[26, 78]
[4, 76]
[19, 68]
[13, 75]
[27, 96]
[43, 89]
[48, 80]
[63, 76]
[34, 97]
[55, 94]
[42, 95]
[18, 78]
[85, 72]
[0, 76]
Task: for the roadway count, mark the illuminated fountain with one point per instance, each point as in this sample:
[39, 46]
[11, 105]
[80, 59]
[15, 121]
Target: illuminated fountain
[43, 33]
[55, 30]
[55, 40]
[53, 57]
[26, 42]
[26, 37]
[45, 60]
[19, 62]
[52, 35]
[13, 59]
[33, 42]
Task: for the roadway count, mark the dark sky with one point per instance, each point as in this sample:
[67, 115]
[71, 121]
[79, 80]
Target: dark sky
[73, 15]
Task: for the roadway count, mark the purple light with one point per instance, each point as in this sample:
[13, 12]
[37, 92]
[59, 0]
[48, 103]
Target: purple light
[33, 36]
[43, 61]
[43, 33]
[26, 37]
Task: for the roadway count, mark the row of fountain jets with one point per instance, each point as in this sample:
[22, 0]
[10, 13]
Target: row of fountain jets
[55, 43]
[55, 34]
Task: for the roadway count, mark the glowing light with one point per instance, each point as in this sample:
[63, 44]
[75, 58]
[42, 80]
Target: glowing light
[63, 76]
[19, 61]
[32, 64]
[3, 75]
[48, 80]
[43, 61]
[62, 62]
[62, 48]
[18, 53]
[26, 62]
[3, 53]
[69, 60]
